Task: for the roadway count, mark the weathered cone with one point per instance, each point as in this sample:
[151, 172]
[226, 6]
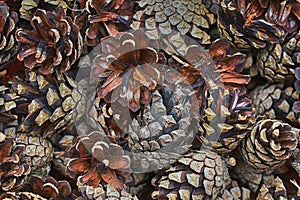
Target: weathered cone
[8, 45]
[95, 160]
[269, 144]
[278, 62]
[234, 191]
[200, 174]
[54, 43]
[186, 17]
[21, 196]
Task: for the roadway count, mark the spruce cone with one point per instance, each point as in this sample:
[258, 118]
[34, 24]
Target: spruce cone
[269, 144]
[8, 46]
[277, 101]
[55, 42]
[234, 191]
[13, 169]
[200, 174]
[21, 196]
[50, 100]
[187, 17]
[94, 159]
[278, 62]
[245, 25]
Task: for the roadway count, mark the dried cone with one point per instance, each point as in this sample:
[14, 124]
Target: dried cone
[186, 17]
[200, 174]
[54, 43]
[277, 101]
[245, 24]
[21, 196]
[277, 191]
[13, 169]
[50, 100]
[95, 160]
[8, 46]
[234, 191]
[278, 62]
[269, 144]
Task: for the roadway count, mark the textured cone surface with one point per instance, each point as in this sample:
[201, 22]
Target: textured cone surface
[50, 100]
[200, 174]
[187, 17]
[8, 45]
[277, 101]
[21, 196]
[269, 144]
[277, 191]
[278, 62]
[60, 51]
[234, 191]
[7, 105]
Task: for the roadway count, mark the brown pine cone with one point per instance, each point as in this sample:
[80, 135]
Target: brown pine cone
[21, 196]
[186, 17]
[278, 62]
[94, 160]
[244, 23]
[234, 191]
[50, 100]
[200, 174]
[13, 169]
[269, 144]
[8, 46]
[54, 43]
[277, 101]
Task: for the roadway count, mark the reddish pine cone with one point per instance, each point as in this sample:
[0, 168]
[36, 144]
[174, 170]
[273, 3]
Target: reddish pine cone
[94, 159]
[54, 43]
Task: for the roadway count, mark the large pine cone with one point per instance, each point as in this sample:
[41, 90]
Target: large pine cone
[54, 43]
[200, 174]
[8, 46]
[269, 144]
[187, 17]
[278, 62]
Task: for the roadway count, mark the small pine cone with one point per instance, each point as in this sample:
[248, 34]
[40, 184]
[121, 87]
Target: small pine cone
[244, 24]
[277, 101]
[54, 43]
[234, 191]
[20, 196]
[50, 99]
[186, 17]
[103, 192]
[13, 169]
[94, 159]
[200, 174]
[269, 144]
[277, 191]
[278, 62]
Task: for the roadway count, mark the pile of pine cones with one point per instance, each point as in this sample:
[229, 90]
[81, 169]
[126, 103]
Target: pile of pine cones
[184, 99]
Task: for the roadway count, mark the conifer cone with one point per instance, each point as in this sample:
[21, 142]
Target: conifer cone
[186, 17]
[277, 101]
[50, 100]
[269, 144]
[8, 45]
[278, 62]
[13, 169]
[54, 43]
[234, 191]
[21, 196]
[199, 174]
[245, 24]
[95, 160]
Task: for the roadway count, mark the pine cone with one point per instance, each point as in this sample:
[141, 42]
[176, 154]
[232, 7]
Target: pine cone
[13, 169]
[278, 62]
[245, 25]
[7, 104]
[21, 196]
[277, 101]
[94, 159]
[276, 192]
[8, 47]
[269, 144]
[200, 174]
[187, 17]
[50, 99]
[55, 42]
[234, 191]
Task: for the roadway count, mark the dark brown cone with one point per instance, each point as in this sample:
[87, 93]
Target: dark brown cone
[269, 144]
[21, 196]
[8, 45]
[234, 191]
[164, 17]
[200, 174]
[277, 101]
[50, 100]
[54, 43]
[95, 160]
[278, 62]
